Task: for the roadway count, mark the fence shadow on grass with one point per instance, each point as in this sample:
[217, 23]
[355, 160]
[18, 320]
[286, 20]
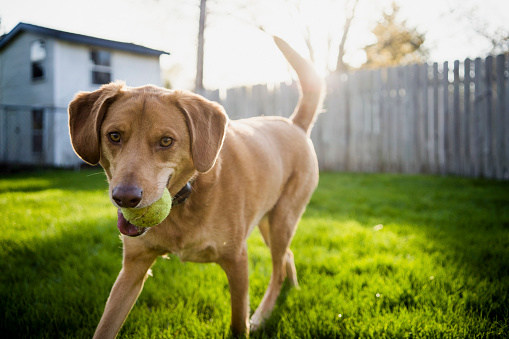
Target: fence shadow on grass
[36, 181]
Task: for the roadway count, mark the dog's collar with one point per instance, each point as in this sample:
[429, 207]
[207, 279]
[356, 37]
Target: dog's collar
[182, 195]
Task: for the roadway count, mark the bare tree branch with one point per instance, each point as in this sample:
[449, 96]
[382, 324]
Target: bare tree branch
[340, 65]
[201, 43]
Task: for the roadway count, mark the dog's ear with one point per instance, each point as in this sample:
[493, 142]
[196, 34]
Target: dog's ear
[86, 113]
[206, 121]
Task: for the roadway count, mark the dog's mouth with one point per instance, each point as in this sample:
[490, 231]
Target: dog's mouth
[126, 228]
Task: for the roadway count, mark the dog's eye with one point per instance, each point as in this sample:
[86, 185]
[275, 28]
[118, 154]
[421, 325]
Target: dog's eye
[114, 137]
[166, 142]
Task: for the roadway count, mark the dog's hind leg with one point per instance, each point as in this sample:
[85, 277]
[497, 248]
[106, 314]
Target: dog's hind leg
[282, 223]
[291, 271]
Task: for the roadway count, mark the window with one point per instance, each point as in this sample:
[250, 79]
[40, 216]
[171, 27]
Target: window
[37, 58]
[101, 69]
[100, 58]
[100, 78]
[37, 128]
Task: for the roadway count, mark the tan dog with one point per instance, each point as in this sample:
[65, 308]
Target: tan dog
[259, 171]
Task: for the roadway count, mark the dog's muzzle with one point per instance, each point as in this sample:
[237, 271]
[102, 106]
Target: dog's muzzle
[126, 228]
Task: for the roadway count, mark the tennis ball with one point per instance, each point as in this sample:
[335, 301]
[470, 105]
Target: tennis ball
[151, 215]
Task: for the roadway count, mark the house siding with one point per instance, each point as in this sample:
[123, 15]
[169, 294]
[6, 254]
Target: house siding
[19, 95]
[68, 70]
[74, 71]
[18, 88]
[74, 74]
[148, 71]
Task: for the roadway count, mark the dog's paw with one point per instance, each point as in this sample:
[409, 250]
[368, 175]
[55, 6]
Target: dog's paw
[255, 323]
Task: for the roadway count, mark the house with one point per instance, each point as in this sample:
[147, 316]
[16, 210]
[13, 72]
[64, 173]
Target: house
[41, 69]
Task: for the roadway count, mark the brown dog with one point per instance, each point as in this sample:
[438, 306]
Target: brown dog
[259, 171]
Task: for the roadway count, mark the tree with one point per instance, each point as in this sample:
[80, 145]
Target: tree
[325, 52]
[347, 9]
[201, 46]
[396, 43]
[340, 65]
[497, 37]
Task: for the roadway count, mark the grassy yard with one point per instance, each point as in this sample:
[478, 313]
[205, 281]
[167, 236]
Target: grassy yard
[377, 256]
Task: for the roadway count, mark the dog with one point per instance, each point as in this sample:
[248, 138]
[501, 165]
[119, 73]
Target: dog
[226, 177]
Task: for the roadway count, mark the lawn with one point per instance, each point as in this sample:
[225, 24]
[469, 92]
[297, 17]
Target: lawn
[377, 256]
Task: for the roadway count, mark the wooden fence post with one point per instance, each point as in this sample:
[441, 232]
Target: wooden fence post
[375, 119]
[385, 122]
[478, 118]
[501, 117]
[458, 152]
[446, 127]
[488, 127]
[469, 121]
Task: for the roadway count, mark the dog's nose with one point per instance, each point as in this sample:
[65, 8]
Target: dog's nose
[127, 196]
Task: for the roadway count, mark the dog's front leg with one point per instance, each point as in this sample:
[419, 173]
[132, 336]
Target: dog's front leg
[236, 269]
[124, 293]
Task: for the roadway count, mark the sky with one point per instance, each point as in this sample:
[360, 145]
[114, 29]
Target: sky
[238, 53]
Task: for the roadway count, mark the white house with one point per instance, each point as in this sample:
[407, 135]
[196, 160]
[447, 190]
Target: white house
[41, 70]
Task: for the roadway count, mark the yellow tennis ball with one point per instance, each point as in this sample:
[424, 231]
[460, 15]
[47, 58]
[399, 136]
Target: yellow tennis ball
[151, 215]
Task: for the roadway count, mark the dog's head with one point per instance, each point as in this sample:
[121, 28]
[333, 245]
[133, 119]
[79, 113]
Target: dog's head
[146, 138]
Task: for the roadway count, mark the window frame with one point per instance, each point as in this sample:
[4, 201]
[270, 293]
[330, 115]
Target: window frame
[37, 115]
[100, 60]
[38, 62]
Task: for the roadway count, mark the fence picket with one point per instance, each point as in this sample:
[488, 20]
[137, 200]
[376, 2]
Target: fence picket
[376, 141]
[499, 117]
[407, 159]
[478, 118]
[469, 120]
[506, 124]
[421, 110]
[458, 150]
[384, 121]
[446, 133]
[489, 126]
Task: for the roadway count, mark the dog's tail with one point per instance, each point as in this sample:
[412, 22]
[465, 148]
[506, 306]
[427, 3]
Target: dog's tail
[312, 87]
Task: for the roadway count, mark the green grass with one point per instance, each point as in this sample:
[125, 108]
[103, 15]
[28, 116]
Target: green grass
[438, 267]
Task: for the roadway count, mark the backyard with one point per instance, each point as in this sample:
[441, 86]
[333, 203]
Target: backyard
[378, 255]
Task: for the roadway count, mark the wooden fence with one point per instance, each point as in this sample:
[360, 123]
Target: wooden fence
[439, 119]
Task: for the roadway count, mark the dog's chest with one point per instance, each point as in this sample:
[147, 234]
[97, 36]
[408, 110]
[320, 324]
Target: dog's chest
[204, 252]
[188, 246]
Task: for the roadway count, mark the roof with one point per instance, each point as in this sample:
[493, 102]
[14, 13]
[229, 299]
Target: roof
[77, 38]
